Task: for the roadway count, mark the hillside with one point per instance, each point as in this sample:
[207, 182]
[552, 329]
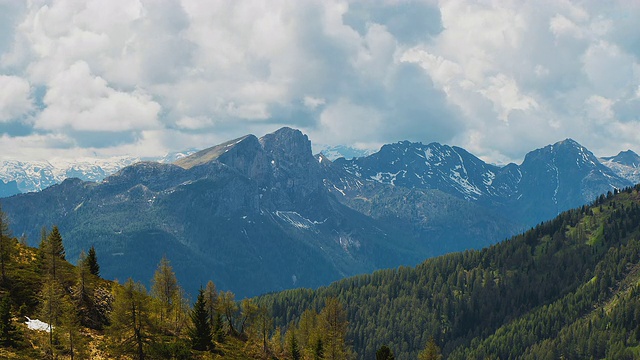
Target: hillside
[565, 288]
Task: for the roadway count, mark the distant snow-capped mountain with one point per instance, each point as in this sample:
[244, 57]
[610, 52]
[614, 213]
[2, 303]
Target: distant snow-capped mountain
[626, 164]
[37, 175]
[344, 151]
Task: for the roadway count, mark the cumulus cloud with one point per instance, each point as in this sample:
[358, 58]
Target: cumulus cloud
[498, 78]
[15, 98]
[80, 101]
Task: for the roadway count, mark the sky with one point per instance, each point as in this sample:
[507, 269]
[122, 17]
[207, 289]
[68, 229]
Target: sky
[144, 77]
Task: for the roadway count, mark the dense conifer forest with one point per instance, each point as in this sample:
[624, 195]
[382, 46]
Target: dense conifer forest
[567, 288]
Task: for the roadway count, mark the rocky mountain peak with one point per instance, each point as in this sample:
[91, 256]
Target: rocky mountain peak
[215, 152]
[627, 158]
[288, 145]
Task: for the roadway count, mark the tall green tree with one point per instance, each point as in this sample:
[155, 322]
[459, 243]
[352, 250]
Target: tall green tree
[131, 327]
[83, 295]
[7, 328]
[91, 262]
[384, 353]
[211, 301]
[200, 331]
[431, 351]
[334, 328]
[51, 310]
[166, 292]
[292, 344]
[53, 250]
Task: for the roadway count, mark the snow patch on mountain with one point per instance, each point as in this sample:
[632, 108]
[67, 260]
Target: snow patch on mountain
[37, 175]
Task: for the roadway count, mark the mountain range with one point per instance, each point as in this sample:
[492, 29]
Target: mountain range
[31, 176]
[265, 214]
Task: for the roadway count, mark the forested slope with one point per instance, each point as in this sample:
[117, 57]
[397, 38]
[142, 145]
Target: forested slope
[551, 291]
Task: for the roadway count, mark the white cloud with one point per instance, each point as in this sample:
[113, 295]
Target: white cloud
[498, 77]
[79, 100]
[15, 98]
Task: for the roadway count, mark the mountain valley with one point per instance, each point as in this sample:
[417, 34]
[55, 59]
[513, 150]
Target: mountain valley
[265, 214]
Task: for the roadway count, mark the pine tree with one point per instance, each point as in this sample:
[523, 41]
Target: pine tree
[200, 332]
[92, 262]
[384, 353]
[53, 250]
[292, 345]
[83, 296]
[7, 328]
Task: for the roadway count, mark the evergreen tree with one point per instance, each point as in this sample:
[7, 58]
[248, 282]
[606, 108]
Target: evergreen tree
[292, 345]
[53, 250]
[318, 349]
[200, 332]
[431, 351]
[83, 294]
[7, 328]
[218, 328]
[384, 353]
[91, 262]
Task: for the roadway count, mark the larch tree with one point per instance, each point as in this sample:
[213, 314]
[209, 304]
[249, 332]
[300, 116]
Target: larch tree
[333, 323]
[52, 297]
[211, 301]
[431, 351]
[263, 325]
[165, 291]
[131, 326]
[229, 308]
